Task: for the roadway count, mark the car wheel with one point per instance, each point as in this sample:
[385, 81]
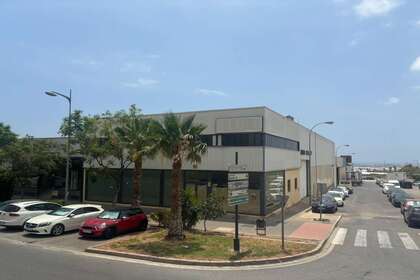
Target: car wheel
[57, 230]
[143, 225]
[109, 233]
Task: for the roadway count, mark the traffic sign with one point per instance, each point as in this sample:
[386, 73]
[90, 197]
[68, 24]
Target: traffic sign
[238, 184]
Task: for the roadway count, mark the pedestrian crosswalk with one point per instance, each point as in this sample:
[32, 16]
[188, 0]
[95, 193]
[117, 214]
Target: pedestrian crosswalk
[361, 237]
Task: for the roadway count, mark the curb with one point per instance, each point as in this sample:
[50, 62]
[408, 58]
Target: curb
[214, 263]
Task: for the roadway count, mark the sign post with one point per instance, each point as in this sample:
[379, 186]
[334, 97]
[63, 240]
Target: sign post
[238, 184]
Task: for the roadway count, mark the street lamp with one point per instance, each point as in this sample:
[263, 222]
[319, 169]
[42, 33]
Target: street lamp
[68, 98]
[316, 166]
[310, 156]
[335, 162]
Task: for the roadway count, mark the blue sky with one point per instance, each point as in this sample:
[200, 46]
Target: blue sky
[356, 62]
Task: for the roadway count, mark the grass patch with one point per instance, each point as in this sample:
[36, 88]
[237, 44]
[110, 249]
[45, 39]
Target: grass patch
[206, 246]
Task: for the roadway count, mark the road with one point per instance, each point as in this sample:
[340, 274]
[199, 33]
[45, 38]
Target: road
[373, 243]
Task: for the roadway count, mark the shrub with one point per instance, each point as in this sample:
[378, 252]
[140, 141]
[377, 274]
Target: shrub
[190, 211]
[162, 217]
[211, 209]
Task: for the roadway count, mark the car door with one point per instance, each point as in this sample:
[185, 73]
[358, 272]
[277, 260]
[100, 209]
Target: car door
[125, 221]
[75, 219]
[34, 210]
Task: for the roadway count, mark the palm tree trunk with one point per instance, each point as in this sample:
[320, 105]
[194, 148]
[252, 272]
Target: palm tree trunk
[138, 165]
[175, 230]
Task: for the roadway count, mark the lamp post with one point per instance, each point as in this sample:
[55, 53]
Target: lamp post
[316, 168]
[310, 155]
[68, 98]
[335, 162]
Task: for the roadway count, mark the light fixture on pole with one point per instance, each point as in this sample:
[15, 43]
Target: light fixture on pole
[316, 166]
[68, 98]
[310, 156]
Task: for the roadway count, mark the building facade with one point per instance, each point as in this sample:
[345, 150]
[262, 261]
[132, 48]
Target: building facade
[272, 148]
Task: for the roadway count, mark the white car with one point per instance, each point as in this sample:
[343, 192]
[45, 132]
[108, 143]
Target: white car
[66, 218]
[387, 186]
[345, 190]
[337, 197]
[17, 213]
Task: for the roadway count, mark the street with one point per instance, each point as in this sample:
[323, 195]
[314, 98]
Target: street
[372, 242]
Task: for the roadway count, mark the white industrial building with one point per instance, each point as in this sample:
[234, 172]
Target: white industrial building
[272, 148]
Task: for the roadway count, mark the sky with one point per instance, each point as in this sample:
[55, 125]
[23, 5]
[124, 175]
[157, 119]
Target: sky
[355, 62]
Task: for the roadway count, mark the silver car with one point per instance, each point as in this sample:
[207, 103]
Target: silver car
[17, 213]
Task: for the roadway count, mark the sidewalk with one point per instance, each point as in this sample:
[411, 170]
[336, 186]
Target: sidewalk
[299, 226]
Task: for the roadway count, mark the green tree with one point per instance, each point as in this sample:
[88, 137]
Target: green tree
[179, 140]
[27, 158]
[139, 137]
[6, 135]
[96, 138]
[211, 209]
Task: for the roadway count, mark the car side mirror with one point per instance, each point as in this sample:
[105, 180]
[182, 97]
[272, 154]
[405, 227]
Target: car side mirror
[124, 218]
[71, 215]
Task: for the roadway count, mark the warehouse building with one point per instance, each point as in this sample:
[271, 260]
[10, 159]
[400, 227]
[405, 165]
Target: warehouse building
[271, 148]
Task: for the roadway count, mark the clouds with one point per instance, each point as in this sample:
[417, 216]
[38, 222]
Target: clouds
[392, 101]
[371, 8]
[210, 92]
[415, 67]
[141, 82]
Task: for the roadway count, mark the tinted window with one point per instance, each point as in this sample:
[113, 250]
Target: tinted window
[51, 206]
[280, 142]
[91, 209]
[11, 208]
[242, 139]
[136, 211]
[208, 139]
[79, 211]
[36, 207]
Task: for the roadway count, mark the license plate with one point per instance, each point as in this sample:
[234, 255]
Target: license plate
[87, 231]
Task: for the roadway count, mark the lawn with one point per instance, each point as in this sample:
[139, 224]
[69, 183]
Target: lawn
[206, 246]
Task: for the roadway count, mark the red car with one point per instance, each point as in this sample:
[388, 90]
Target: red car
[112, 222]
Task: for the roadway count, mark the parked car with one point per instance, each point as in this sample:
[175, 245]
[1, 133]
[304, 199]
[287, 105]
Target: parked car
[17, 213]
[345, 190]
[339, 190]
[337, 197]
[113, 222]
[327, 205]
[7, 202]
[392, 192]
[407, 203]
[387, 187]
[350, 189]
[394, 182]
[398, 198]
[66, 218]
[412, 215]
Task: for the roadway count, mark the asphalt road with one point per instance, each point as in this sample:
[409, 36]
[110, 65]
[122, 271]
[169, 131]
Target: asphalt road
[358, 254]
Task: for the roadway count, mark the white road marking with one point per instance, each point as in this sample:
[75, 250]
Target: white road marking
[409, 243]
[340, 236]
[361, 240]
[383, 239]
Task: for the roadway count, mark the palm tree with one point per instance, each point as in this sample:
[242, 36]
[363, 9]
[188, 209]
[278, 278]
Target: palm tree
[179, 139]
[139, 138]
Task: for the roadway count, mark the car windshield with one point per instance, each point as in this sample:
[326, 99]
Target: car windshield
[109, 215]
[63, 211]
